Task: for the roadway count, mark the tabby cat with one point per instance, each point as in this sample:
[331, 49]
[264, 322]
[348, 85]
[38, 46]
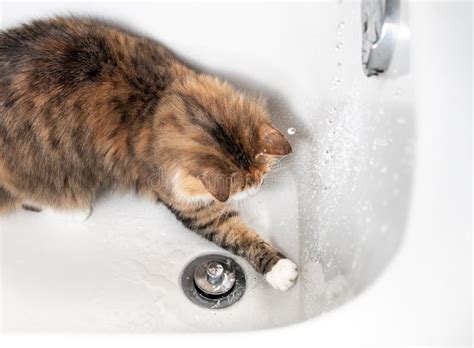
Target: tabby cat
[87, 107]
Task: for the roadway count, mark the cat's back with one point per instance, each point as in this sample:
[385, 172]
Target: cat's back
[59, 44]
[75, 96]
[67, 52]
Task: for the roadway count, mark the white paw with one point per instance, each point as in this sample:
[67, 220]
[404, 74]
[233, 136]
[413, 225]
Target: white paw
[283, 274]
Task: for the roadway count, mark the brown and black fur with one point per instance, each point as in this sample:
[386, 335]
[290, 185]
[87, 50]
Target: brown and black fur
[86, 108]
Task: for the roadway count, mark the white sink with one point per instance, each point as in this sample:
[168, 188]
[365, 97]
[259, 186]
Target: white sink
[339, 206]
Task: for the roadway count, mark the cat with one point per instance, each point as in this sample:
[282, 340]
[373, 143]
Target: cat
[87, 107]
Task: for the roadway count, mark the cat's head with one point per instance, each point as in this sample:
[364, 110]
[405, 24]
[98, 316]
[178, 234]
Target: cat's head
[227, 142]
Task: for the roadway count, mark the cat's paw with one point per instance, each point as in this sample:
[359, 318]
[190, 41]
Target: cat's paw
[283, 274]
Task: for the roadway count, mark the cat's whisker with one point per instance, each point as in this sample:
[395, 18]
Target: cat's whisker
[223, 210]
[282, 166]
[284, 171]
[278, 176]
[240, 204]
[277, 181]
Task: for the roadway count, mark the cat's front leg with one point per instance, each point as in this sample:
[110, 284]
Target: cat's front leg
[224, 226]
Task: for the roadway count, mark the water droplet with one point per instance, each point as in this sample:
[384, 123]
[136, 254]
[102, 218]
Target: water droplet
[330, 121]
[291, 131]
[336, 82]
[340, 28]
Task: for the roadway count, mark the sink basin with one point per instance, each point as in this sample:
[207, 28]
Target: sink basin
[338, 206]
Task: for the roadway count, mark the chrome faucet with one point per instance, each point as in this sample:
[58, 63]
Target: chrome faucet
[379, 34]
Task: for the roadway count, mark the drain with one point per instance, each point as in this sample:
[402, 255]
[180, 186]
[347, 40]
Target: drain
[213, 281]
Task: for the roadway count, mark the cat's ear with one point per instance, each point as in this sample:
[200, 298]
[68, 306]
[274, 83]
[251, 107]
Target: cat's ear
[217, 184]
[272, 141]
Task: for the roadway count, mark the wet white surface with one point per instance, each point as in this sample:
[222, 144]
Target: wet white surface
[120, 270]
[337, 207]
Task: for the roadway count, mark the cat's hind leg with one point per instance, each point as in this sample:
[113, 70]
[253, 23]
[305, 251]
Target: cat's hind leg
[8, 202]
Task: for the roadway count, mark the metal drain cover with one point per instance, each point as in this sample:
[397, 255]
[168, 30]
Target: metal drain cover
[213, 281]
